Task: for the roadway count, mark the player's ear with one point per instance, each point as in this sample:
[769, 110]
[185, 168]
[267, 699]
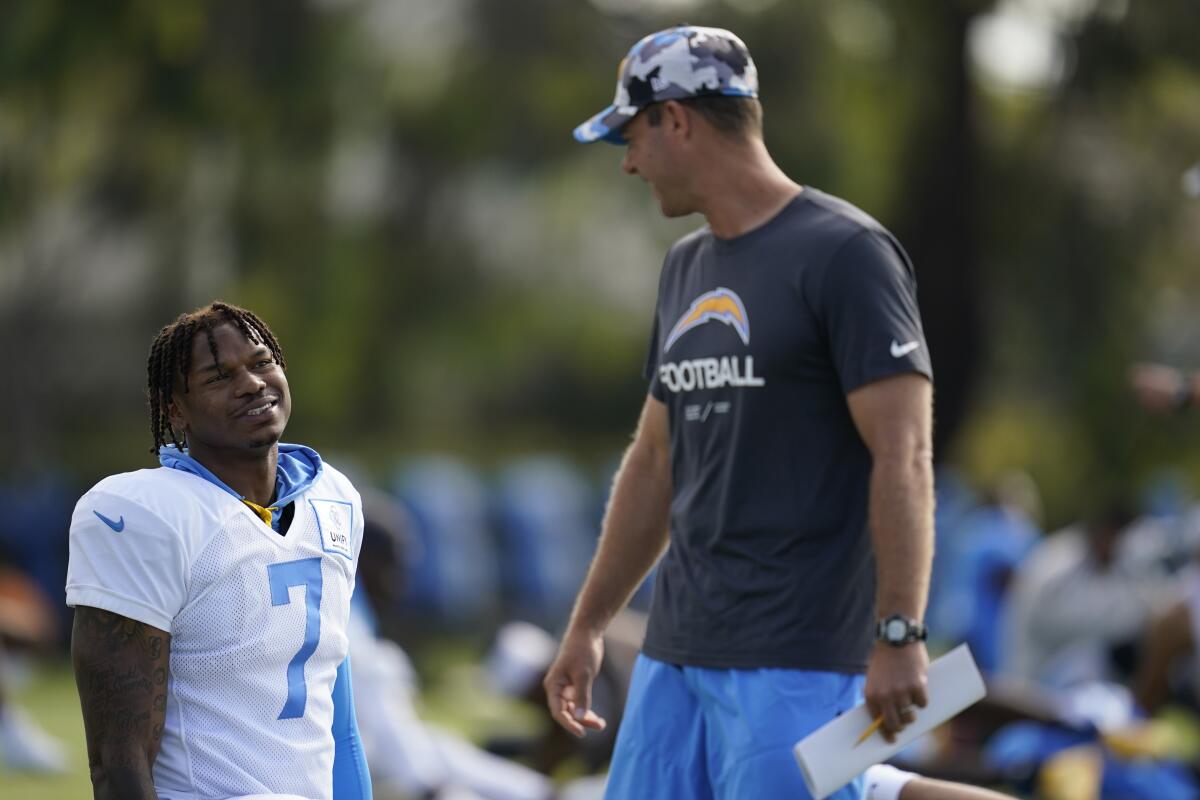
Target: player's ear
[177, 416]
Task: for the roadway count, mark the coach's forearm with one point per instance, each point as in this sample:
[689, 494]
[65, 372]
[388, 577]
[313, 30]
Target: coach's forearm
[901, 522]
[633, 536]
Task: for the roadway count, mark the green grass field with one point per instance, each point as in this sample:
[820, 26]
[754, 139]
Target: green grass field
[50, 698]
[456, 700]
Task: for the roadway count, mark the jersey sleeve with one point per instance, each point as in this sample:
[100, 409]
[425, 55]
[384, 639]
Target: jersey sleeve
[869, 308]
[359, 527]
[125, 559]
[351, 778]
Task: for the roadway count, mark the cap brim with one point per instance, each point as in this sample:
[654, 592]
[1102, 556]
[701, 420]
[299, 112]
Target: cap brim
[606, 126]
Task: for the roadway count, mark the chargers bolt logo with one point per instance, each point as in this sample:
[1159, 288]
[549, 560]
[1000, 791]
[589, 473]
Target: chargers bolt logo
[722, 305]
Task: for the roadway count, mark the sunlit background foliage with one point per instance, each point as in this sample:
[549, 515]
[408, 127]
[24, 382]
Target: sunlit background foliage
[392, 185]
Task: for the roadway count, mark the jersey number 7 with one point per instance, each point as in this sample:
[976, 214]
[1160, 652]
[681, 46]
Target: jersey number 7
[304, 572]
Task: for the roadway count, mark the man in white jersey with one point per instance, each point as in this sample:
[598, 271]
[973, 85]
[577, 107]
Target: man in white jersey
[212, 594]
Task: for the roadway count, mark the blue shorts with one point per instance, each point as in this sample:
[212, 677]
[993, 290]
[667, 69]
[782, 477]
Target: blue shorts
[690, 733]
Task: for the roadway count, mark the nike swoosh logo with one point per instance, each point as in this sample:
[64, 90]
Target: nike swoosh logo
[117, 526]
[899, 350]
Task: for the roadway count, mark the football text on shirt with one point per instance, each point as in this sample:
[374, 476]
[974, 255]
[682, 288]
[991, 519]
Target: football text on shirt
[720, 305]
[709, 373]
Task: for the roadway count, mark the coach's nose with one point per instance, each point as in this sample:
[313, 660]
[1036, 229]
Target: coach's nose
[627, 165]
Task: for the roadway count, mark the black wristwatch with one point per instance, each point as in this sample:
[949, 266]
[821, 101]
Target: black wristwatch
[899, 630]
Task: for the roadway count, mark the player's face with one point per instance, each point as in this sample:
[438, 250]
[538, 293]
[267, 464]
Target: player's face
[239, 403]
[650, 156]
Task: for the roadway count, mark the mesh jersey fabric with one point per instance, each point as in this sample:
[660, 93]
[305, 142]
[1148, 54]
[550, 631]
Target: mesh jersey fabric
[257, 622]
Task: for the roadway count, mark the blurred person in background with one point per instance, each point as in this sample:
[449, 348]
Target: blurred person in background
[1164, 389]
[25, 618]
[212, 594]
[1167, 670]
[783, 451]
[32, 532]
[991, 540]
[1081, 598]
[622, 642]
[409, 758]
[24, 745]
[1173, 633]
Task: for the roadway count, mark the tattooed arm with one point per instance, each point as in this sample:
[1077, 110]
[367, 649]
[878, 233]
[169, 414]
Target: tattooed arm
[121, 673]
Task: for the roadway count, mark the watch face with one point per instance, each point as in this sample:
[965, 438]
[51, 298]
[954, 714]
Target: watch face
[896, 630]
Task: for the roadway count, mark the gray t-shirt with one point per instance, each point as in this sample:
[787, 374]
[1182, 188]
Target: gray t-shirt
[757, 340]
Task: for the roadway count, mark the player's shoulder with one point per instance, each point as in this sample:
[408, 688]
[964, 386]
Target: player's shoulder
[333, 481]
[179, 500]
[158, 486]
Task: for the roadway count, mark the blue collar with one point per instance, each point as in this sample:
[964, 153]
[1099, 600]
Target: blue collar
[297, 469]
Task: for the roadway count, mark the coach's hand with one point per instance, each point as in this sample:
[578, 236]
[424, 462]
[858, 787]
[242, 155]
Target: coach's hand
[568, 682]
[896, 680]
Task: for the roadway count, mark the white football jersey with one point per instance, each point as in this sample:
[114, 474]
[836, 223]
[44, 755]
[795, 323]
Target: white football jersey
[257, 622]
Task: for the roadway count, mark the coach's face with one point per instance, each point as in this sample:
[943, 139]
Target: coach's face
[238, 401]
[653, 154]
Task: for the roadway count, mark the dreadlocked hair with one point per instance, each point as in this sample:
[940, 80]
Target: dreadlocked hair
[171, 357]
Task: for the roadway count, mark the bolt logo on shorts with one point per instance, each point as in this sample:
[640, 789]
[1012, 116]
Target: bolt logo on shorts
[722, 305]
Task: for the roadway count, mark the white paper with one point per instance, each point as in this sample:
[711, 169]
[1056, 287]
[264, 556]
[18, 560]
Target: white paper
[829, 758]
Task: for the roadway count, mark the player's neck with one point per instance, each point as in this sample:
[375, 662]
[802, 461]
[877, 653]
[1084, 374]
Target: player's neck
[742, 193]
[249, 473]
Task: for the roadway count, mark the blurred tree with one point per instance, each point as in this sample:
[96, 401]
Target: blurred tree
[393, 185]
[937, 199]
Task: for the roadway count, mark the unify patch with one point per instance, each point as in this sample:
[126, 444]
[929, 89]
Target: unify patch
[335, 520]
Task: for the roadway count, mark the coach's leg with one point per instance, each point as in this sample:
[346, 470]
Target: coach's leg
[752, 719]
[659, 754]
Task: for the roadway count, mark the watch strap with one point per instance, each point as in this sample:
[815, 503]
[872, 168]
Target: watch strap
[913, 631]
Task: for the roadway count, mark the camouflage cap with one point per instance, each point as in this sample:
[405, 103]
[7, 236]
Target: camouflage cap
[681, 62]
